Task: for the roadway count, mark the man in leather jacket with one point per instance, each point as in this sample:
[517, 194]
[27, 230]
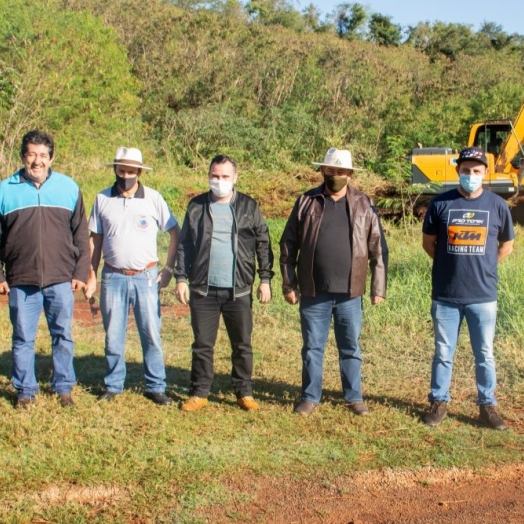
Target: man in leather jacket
[222, 235]
[331, 236]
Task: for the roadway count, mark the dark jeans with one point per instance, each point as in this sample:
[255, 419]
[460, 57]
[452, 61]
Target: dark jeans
[238, 319]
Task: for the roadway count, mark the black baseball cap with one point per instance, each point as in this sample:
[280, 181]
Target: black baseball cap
[473, 153]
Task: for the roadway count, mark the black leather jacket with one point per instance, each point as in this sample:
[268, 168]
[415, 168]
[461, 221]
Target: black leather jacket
[250, 241]
[367, 244]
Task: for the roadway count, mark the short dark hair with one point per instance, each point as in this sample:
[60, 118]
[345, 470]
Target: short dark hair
[222, 159]
[37, 137]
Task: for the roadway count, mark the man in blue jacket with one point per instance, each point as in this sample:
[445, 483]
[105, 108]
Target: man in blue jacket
[223, 233]
[44, 259]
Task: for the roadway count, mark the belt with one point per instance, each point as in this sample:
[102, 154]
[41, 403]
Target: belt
[128, 272]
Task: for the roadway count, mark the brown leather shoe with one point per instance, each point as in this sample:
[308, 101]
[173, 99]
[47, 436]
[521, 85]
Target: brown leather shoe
[305, 408]
[358, 408]
[248, 403]
[24, 402]
[193, 403]
[66, 400]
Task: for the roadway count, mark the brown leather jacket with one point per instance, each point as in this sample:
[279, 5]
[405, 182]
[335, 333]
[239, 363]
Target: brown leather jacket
[367, 244]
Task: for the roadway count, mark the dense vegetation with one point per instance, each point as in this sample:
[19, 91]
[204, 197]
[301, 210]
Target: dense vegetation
[258, 80]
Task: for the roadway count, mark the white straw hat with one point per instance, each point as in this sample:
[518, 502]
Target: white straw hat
[128, 156]
[340, 158]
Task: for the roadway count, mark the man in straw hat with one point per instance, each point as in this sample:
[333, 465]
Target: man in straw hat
[124, 223]
[332, 234]
[44, 247]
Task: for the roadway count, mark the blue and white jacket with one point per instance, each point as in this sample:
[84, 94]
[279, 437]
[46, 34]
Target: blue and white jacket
[43, 231]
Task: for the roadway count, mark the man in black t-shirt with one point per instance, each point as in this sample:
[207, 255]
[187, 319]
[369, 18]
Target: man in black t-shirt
[337, 232]
[467, 232]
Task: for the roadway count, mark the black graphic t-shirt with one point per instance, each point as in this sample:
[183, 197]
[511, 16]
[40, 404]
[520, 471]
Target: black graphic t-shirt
[468, 233]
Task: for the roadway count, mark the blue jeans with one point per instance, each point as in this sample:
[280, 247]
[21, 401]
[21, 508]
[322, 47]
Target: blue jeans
[315, 319]
[447, 319]
[140, 291]
[25, 306]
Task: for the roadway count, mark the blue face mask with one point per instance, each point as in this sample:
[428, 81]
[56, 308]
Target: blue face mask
[470, 183]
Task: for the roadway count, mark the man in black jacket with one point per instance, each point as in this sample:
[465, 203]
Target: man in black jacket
[223, 232]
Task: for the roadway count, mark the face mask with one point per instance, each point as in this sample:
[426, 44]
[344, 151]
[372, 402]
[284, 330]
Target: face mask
[470, 183]
[335, 183]
[126, 184]
[221, 188]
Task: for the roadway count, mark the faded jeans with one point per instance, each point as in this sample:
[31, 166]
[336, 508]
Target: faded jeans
[140, 291]
[25, 307]
[447, 319]
[315, 319]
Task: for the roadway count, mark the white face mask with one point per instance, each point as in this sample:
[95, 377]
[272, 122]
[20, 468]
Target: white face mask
[221, 188]
[470, 183]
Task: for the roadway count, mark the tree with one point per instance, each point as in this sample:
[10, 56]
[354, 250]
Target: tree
[495, 35]
[271, 12]
[350, 21]
[383, 31]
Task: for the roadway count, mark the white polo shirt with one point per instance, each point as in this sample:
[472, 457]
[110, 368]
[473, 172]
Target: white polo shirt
[130, 226]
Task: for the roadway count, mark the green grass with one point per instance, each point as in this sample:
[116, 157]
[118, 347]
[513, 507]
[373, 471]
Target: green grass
[132, 461]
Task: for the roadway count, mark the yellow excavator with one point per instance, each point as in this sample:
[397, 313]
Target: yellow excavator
[503, 142]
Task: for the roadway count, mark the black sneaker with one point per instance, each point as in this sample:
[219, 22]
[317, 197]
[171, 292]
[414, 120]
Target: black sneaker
[107, 396]
[489, 417]
[158, 398]
[436, 413]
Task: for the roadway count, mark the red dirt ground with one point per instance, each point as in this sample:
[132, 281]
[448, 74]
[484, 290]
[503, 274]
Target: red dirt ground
[385, 497]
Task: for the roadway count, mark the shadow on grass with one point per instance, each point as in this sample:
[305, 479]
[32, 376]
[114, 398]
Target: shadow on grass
[91, 369]
[417, 410]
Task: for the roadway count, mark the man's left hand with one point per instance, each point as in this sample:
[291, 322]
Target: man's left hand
[264, 292]
[77, 285]
[376, 300]
[163, 278]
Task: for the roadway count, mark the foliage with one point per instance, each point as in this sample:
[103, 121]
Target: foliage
[65, 72]
[270, 85]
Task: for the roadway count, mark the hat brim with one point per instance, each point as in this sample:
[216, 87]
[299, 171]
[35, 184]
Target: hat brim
[331, 165]
[145, 168]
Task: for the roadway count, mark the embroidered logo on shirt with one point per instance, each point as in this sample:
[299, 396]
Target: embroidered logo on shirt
[143, 223]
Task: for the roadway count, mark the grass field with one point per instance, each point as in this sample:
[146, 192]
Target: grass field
[131, 461]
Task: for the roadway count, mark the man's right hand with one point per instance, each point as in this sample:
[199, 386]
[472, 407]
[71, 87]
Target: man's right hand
[90, 287]
[4, 288]
[293, 297]
[182, 292]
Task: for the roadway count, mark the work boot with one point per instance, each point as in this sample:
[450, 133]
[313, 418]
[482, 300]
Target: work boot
[489, 417]
[358, 408]
[436, 413]
[247, 403]
[305, 408]
[193, 403]
[66, 400]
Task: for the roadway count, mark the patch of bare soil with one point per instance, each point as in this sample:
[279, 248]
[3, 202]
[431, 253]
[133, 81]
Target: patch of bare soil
[87, 315]
[385, 497]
